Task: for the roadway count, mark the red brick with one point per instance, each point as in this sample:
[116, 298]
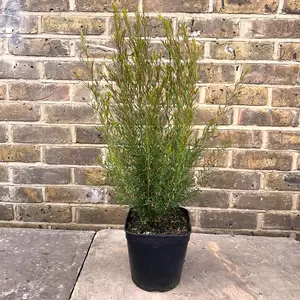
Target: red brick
[289, 97]
[41, 175]
[18, 70]
[232, 180]
[262, 201]
[71, 156]
[41, 134]
[66, 70]
[6, 212]
[270, 117]
[272, 74]
[39, 47]
[218, 199]
[27, 195]
[283, 181]
[74, 195]
[46, 5]
[38, 92]
[237, 138]
[246, 6]
[212, 73]
[284, 140]
[44, 213]
[213, 27]
[277, 221]
[70, 114]
[262, 160]
[73, 25]
[101, 215]
[19, 153]
[271, 28]
[228, 219]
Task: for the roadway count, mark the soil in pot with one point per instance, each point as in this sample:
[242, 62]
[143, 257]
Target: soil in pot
[157, 253]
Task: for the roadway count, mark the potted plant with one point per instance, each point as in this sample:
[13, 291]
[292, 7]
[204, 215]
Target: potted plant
[146, 98]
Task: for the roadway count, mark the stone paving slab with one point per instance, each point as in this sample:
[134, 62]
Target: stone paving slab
[40, 264]
[217, 267]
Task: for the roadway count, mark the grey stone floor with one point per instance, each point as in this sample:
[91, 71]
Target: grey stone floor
[45, 265]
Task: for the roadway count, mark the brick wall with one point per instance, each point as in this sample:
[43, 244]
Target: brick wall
[48, 143]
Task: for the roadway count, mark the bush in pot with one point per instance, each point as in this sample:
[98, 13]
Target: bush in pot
[146, 99]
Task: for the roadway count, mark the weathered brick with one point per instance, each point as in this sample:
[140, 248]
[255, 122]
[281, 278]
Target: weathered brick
[228, 219]
[6, 212]
[3, 134]
[39, 47]
[248, 95]
[242, 50]
[75, 195]
[212, 73]
[101, 215]
[292, 7]
[38, 92]
[271, 28]
[88, 135]
[270, 117]
[41, 175]
[283, 181]
[289, 51]
[73, 25]
[277, 221]
[27, 195]
[238, 138]
[289, 97]
[281, 140]
[213, 158]
[45, 5]
[189, 6]
[4, 194]
[204, 115]
[246, 6]
[58, 70]
[262, 201]
[1, 46]
[262, 160]
[71, 156]
[213, 27]
[19, 153]
[232, 180]
[18, 70]
[41, 134]
[44, 213]
[2, 91]
[272, 74]
[91, 176]
[218, 199]
[94, 50]
[19, 112]
[296, 225]
[81, 93]
[10, 23]
[3, 173]
[63, 113]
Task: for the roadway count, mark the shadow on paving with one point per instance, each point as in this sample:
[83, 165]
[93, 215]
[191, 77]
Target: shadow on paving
[41, 264]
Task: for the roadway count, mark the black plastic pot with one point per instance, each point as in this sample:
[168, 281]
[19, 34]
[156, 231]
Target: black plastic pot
[156, 261]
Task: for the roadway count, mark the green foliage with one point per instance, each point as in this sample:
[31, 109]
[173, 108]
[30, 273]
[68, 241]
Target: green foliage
[146, 100]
